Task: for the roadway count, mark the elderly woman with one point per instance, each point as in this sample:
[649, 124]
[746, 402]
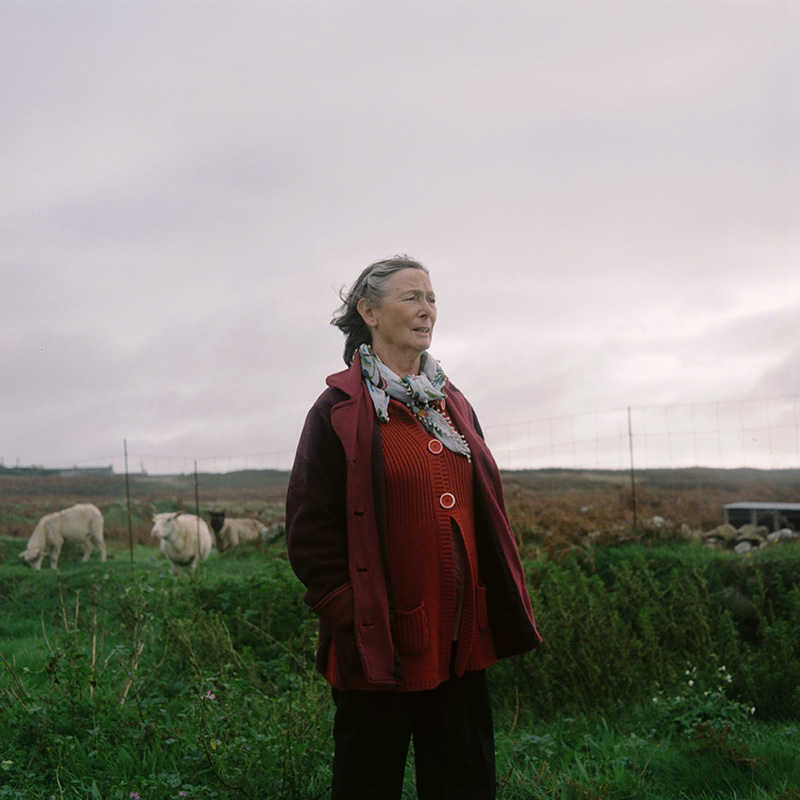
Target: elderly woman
[396, 525]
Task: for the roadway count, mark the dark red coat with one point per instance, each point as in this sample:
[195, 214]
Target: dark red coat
[336, 535]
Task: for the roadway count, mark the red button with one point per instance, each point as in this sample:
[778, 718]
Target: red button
[447, 500]
[435, 446]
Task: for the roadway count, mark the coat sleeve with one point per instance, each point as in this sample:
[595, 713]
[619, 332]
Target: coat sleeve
[511, 615]
[316, 531]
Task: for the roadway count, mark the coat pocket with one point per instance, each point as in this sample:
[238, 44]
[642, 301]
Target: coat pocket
[337, 606]
[411, 629]
[347, 658]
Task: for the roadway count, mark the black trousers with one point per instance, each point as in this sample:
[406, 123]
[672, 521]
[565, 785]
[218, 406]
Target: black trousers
[453, 742]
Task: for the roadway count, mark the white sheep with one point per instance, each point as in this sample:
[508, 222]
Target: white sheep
[232, 532]
[184, 539]
[79, 524]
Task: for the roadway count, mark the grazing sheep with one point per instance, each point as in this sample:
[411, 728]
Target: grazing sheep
[81, 524]
[231, 532]
[273, 532]
[184, 539]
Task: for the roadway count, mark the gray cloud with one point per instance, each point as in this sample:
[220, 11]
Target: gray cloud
[606, 196]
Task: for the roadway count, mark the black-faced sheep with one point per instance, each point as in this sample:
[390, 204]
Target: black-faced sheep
[232, 532]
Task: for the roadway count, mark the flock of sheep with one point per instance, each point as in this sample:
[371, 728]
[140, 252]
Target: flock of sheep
[185, 539]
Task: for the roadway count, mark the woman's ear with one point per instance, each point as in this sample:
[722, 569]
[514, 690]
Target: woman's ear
[367, 313]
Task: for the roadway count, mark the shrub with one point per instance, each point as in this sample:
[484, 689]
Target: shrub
[623, 625]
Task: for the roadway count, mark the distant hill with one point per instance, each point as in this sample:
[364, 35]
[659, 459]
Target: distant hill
[571, 504]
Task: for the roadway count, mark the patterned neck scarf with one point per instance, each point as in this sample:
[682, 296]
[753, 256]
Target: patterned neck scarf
[422, 394]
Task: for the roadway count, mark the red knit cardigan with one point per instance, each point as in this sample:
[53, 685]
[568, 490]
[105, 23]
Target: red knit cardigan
[432, 557]
[337, 542]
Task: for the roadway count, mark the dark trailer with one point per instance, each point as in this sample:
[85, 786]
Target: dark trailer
[774, 515]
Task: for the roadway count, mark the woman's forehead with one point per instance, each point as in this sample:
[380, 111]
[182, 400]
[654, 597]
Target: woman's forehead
[410, 278]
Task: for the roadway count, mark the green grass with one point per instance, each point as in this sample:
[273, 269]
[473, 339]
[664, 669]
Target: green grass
[631, 760]
[120, 678]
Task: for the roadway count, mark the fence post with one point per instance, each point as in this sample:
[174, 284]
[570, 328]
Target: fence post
[633, 472]
[197, 508]
[128, 497]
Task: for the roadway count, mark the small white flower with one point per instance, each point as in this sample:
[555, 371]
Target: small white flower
[691, 683]
[753, 710]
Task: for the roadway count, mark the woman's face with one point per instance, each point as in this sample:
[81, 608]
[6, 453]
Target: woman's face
[402, 325]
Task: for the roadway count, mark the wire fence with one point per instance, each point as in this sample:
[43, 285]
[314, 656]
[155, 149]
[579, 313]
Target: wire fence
[761, 434]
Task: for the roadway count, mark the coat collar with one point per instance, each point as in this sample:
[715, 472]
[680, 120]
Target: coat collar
[348, 380]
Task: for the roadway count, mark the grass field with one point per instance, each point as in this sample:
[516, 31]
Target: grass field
[668, 670]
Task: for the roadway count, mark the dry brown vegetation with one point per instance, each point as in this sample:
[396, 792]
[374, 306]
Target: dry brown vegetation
[559, 510]
[25, 498]
[552, 511]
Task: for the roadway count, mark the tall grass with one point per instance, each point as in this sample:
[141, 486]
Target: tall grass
[666, 673]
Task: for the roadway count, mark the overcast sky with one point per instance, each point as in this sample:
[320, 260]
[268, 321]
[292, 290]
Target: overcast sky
[607, 195]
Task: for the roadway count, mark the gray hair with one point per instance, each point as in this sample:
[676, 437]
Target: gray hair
[371, 283]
